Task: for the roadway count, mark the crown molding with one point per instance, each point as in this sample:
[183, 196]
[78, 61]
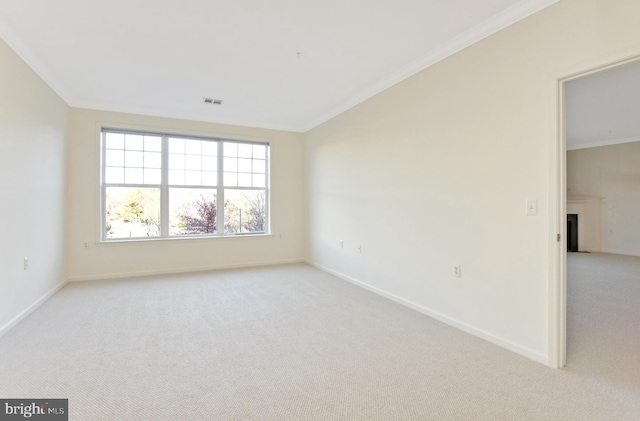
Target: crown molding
[479, 32]
[9, 36]
[490, 26]
[152, 112]
[606, 142]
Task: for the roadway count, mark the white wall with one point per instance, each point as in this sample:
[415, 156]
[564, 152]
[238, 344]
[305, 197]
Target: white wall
[33, 121]
[612, 173]
[163, 256]
[435, 171]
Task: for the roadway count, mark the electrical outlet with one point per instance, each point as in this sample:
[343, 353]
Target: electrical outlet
[360, 248]
[457, 271]
[341, 244]
[25, 263]
[86, 246]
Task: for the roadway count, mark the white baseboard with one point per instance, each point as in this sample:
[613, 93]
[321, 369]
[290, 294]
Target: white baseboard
[4, 329]
[136, 274]
[504, 343]
[620, 252]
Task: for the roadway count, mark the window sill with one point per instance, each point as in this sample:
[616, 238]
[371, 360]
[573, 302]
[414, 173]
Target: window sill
[168, 240]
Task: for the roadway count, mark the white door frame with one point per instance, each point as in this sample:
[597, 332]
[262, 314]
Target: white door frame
[558, 204]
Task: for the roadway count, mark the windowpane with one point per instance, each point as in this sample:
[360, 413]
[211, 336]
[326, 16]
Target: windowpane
[176, 145]
[152, 176]
[193, 181]
[260, 151]
[259, 166]
[209, 148]
[192, 178]
[187, 154]
[244, 165]
[209, 178]
[153, 143]
[133, 176]
[134, 142]
[193, 147]
[259, 180]
[193, 162]
[230, 164]
[230, 179]
[152, 160]
[176, 177]
[244, 211]
[137, 154]
[209, 163]
[114, 158]
[230, 149]
[114, 175]
[132, 212]
[244, 180]
[114, 140]
[193, 211]
[176, 161]
[244, 150]
[133, 159]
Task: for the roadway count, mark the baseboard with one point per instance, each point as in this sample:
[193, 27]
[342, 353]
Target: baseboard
[504, 343]
[4, 329]
[172, 271]
[619, 252]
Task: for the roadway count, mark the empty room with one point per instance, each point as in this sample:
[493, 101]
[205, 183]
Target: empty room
[313, 211]
[603, 158]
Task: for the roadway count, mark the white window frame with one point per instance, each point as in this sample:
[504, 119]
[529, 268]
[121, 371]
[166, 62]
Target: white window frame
[164, 186]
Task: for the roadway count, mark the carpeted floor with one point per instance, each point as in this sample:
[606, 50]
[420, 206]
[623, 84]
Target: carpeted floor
[279, 343]
[603, 322]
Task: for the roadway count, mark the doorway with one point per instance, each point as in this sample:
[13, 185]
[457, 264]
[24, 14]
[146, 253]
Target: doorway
[594, 130]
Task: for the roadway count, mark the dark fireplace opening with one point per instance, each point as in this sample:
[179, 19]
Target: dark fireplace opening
[572, 232]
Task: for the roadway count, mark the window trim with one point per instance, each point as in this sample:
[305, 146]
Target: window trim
[164, 185]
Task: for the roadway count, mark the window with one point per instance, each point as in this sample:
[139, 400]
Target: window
[160, 186]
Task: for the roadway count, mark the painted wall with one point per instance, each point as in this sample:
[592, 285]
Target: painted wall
[613, 174]
[33, 121]
[104, 260]
[435, 172]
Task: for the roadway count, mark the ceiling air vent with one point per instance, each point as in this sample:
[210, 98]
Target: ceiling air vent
[212, 101]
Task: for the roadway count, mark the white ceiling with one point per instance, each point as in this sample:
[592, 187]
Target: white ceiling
[604, 108]
[164, 57]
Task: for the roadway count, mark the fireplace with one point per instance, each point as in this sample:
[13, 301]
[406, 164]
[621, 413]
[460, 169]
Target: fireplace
[572, 232]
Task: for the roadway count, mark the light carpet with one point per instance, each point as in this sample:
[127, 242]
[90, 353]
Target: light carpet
[275, 343]
[603, 322]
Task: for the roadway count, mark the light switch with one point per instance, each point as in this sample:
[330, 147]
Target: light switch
[532, 207]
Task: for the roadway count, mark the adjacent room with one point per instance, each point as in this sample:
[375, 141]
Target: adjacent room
[603, 203]
[323, 211]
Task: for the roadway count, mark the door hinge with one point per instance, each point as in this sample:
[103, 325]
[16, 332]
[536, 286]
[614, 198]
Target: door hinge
[558, 238]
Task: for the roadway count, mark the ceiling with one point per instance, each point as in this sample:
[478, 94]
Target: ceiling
[283, 64]
[604, 108]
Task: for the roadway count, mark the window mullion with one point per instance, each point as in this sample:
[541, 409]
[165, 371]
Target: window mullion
[164, 189]
[267, 191]
[103, 188]
[220, 193]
